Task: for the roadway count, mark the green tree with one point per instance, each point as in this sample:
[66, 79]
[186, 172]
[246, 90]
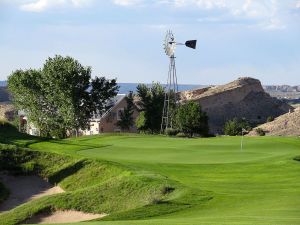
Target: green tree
[61, 96]
[235, 127]
[141, 122]
[151, 102]
[191, 119]
[127, 115]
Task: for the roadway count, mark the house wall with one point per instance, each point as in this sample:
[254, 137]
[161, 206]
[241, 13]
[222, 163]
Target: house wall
[94, 128]
[108, 123]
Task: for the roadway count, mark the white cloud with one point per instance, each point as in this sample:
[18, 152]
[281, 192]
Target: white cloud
[263, 13]
[42, 5]
[298, 5]
[273, 24]
[127, 2]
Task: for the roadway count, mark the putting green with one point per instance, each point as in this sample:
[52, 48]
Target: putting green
[257, 185]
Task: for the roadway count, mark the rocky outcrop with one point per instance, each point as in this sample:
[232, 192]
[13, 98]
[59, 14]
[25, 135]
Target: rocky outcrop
[242, 98]
[284, 125]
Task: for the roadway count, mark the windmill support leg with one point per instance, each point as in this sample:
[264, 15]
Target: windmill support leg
[170, 96]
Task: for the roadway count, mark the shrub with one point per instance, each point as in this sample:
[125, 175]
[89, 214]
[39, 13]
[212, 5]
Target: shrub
[260, 132]
[270, 119]
[191, 119]
[171, 131]
[235, 127]
[28, 168]
[181, 134]
[141, 122]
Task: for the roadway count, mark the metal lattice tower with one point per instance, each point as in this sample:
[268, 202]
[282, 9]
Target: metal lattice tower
[170, 95]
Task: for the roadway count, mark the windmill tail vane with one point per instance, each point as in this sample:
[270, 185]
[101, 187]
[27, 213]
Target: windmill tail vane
[191, 44]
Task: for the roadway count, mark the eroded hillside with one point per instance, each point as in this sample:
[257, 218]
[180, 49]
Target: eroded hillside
[242, 98]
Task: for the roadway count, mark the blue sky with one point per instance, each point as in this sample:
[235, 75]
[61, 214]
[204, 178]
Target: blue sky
[123, 38]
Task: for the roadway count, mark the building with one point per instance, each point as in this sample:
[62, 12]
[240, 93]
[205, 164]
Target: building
[107, 122]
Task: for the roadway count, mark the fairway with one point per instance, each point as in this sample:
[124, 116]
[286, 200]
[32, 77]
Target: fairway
[257, 185]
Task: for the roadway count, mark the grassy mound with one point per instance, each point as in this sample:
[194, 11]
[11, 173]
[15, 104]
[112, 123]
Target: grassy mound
[92, 186]
[9, 134]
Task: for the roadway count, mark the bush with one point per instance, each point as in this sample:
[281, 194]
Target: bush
[270, 119]
[171, 131]
[141, 122]
[236, 126]
[29, 168]
[260, 132]
[191, 119]
[181, 134]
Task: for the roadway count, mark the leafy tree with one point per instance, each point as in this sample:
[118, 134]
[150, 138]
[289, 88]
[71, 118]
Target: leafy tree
[126, 116]
[151, 103]
[191, 119]
[235, 127]
[61, 96]
[141, 122]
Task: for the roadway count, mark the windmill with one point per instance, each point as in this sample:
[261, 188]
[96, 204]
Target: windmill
[172, 86]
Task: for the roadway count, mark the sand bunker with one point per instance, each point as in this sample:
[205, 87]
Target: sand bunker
[69, 216]
[25, 188]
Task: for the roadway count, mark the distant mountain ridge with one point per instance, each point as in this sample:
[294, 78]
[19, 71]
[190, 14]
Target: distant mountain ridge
[3, 83]
[278, 91]
[282, 88]
[126, 87]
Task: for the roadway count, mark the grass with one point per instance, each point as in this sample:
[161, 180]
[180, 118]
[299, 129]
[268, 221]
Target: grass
[215, 181]
[10, 135]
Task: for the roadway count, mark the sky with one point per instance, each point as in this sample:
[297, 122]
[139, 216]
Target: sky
[123, 39]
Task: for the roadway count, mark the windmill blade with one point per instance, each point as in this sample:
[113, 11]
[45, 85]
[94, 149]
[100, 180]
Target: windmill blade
[191, 44]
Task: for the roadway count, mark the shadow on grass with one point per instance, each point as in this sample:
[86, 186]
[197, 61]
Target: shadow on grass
[68, 171]
[10, 135]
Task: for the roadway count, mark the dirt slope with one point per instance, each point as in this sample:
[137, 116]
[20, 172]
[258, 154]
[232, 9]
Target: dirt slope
[285, 125]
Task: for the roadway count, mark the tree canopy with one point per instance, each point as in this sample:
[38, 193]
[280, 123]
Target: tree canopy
[61, 96]
[151, 104]
[126, 117]
[190, 119]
